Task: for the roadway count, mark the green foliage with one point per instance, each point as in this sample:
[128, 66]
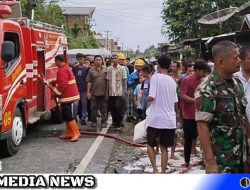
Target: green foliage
[181, 18]
[76, 30]
[130, 54]
[150, 52]
[187, 54]
[87, 42]
[26, 8]
[49, 12]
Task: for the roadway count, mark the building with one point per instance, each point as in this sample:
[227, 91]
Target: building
[162, 48]
[173, 50]
[111, 45]
[101, 40]
[78, 19]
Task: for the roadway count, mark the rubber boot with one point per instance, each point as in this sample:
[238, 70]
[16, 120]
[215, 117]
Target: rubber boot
[75, 129]
[68, 134]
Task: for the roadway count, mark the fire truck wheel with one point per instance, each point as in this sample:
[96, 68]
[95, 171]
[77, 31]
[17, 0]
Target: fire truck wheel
[10, 145]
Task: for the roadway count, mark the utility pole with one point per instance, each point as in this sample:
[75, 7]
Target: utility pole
[138, 50]
[122, 45]
[127, 48]
[107, 39]
[117, 41]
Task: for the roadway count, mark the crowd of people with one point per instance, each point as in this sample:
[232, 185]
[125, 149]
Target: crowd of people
[112, 86]
[207, 103]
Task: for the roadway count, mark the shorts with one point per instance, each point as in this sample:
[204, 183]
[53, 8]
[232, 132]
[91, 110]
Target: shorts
[166, 137]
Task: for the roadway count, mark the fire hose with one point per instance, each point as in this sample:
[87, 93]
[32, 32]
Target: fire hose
[131, 143]
[183, 171]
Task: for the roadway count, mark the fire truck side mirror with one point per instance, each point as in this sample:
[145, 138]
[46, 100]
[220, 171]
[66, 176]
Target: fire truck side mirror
[8, 51]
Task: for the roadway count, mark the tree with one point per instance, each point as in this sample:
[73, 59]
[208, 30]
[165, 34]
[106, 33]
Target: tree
[76, 30]
[45, 11]
[88, 42]
[150, 52]
[50, 12]
[131, 54]
[181, 18]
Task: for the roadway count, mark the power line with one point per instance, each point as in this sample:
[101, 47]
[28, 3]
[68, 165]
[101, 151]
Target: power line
[125, 13]
[128, 16]
[142, 3]
[130, 7]
[131, 20]
[117, 6]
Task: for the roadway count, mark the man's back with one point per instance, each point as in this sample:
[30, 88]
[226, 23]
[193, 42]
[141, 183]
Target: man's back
[161, 113]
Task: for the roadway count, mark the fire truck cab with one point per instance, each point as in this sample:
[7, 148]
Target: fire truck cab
[27, 49]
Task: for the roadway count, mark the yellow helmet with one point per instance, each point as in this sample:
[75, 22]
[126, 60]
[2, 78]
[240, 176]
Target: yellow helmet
[121, 56]
[139, 62]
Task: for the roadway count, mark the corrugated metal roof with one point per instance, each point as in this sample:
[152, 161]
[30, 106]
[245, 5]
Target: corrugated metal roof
[210, 39]
[247, 18]
[246, 23]
[78, 10]
[244, 9]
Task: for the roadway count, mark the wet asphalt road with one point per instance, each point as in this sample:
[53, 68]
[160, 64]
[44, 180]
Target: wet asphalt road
[43, 152]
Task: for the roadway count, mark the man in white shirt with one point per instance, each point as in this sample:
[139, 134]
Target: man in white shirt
[244, 75]
[161, 115]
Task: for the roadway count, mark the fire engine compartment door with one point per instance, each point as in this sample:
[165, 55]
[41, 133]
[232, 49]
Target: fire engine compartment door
[41, 89]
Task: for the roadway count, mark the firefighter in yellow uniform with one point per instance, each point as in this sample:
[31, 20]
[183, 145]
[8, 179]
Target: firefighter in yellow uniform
[65, 89]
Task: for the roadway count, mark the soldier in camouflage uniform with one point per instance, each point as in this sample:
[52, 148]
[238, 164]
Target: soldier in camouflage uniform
[220, 113]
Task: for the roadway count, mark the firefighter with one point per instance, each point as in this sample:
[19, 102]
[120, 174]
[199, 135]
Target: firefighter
[65, 89]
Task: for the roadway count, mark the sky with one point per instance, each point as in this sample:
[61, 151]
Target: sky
[133, 22]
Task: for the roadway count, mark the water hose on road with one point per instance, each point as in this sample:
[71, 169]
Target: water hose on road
[45, 82]
[183, 171]
[114, 137]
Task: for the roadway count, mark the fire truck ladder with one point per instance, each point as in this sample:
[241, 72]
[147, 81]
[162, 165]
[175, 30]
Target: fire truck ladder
[23, 21]
[45, 26]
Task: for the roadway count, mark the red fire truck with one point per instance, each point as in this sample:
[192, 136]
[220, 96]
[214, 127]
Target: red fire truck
[27, 49]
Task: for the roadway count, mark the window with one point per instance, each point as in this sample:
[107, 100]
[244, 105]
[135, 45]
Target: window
[13, 37]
